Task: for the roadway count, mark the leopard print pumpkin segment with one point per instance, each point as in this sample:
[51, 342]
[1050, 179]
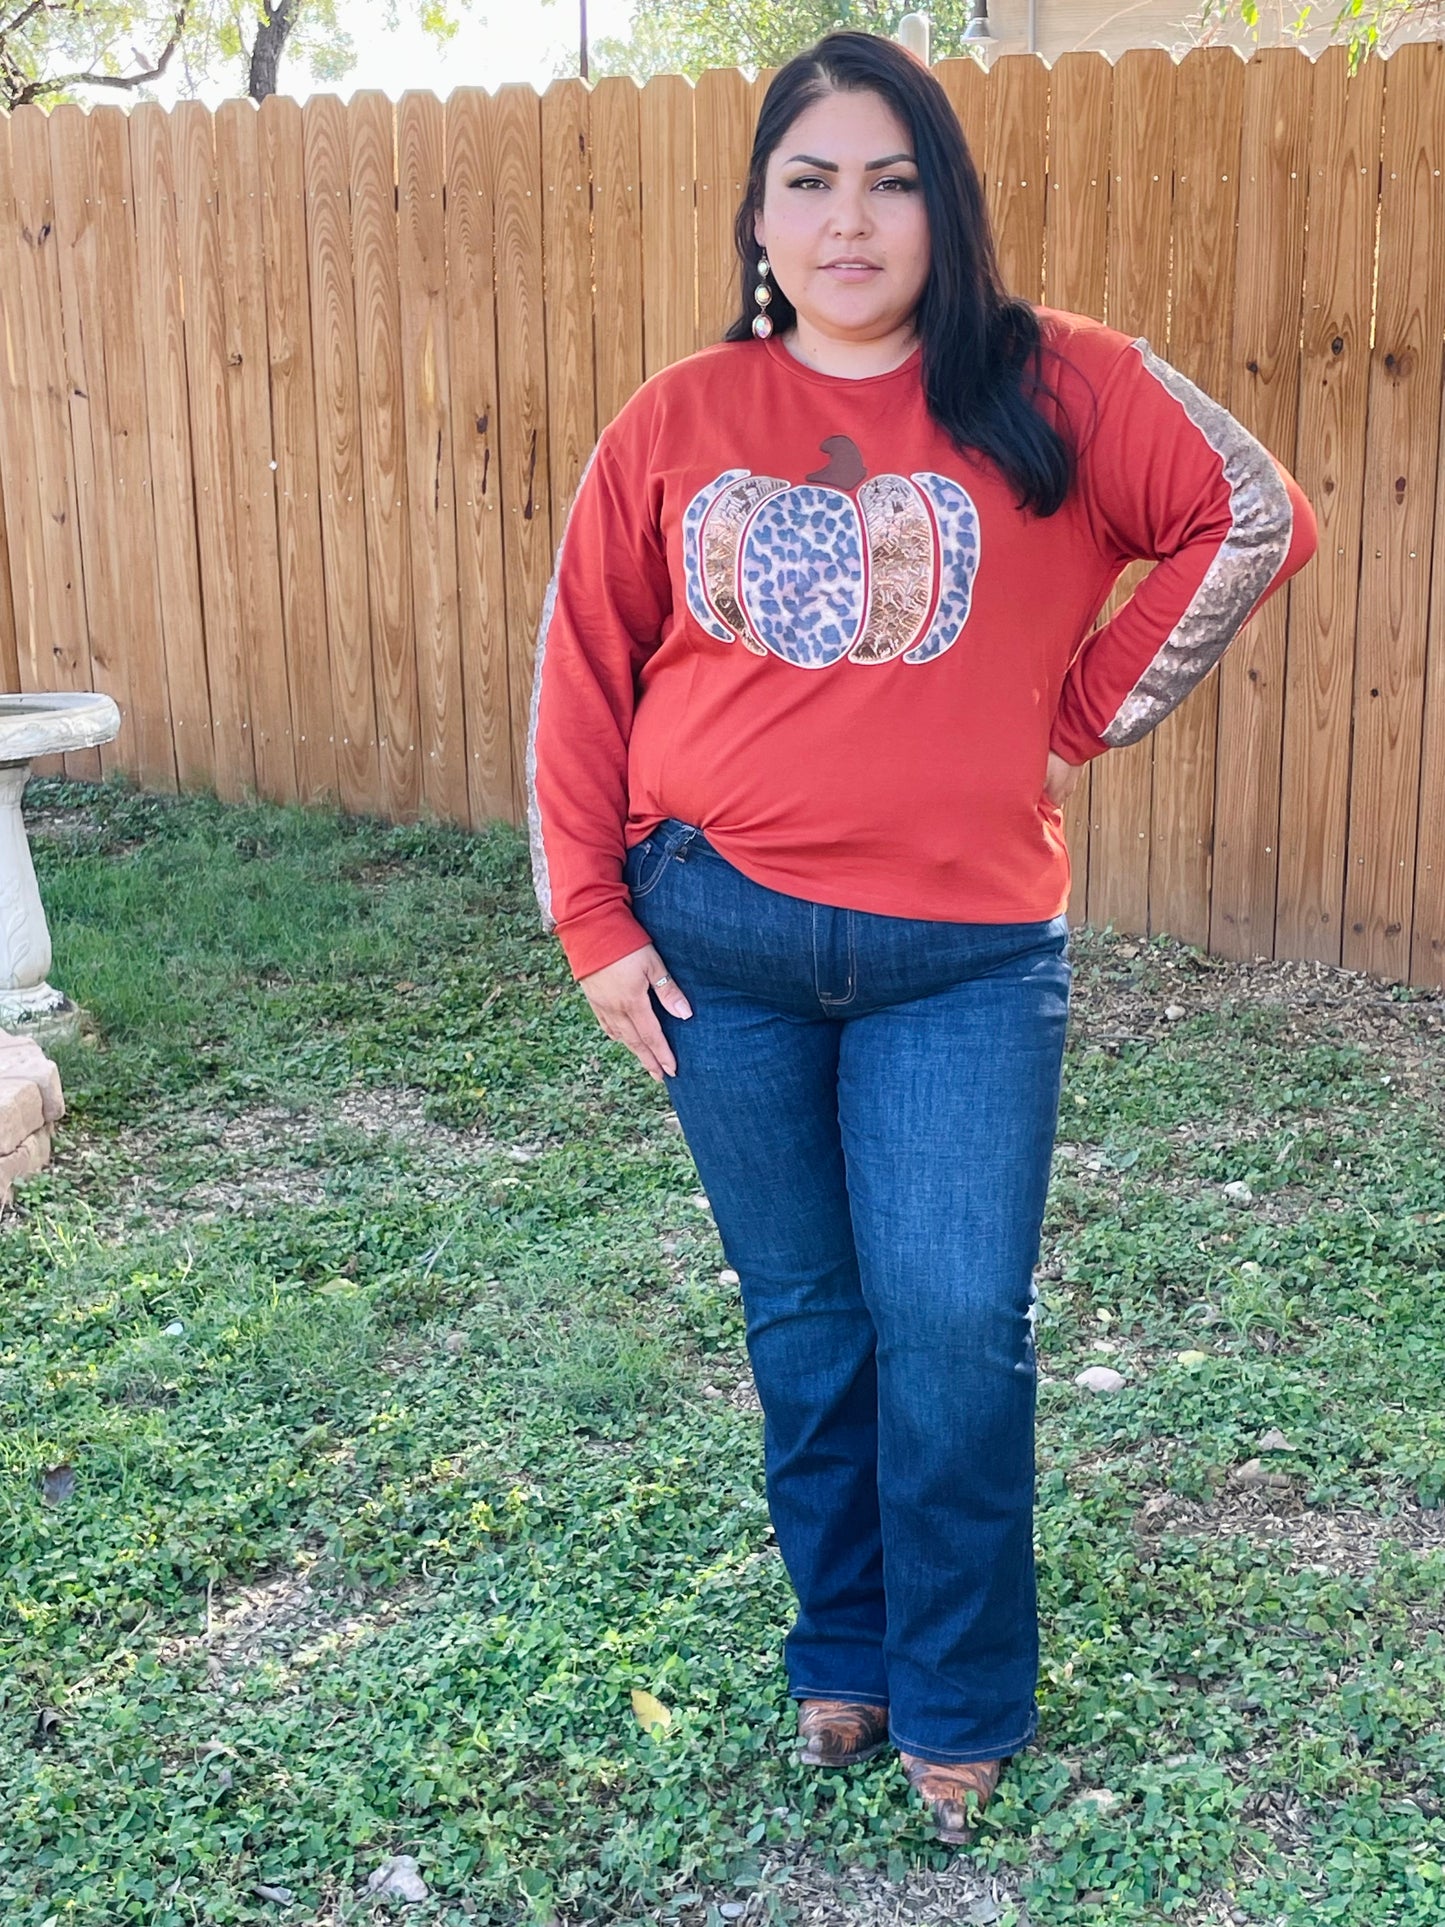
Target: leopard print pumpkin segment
[704, 613]
[802, 575]
[958, 554]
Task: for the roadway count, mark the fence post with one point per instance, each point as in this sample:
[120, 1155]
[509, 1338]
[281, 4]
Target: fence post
[915, 32]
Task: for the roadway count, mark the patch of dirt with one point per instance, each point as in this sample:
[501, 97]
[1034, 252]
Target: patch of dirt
[1338, 1542]
[260, 1188]
[376, 1110]
[60, 826]
[957, 1897]
[260, 1154]
[1123, 987]
[741, 1393]
[1135, 993]
[259, 1621]
[286, 1621]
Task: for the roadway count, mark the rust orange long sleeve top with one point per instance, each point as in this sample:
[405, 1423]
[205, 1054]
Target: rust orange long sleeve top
[787, 609]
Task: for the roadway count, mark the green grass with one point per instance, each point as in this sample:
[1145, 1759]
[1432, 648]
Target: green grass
[368, 1556]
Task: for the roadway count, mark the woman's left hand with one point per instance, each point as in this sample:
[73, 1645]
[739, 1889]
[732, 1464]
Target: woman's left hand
[1062, 780]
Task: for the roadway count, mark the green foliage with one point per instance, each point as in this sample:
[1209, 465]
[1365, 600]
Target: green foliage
[1364, 26]
[368, 1305]
[49, 51]
[675, 36]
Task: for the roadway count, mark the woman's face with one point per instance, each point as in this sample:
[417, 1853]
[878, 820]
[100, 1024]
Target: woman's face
[843, 222]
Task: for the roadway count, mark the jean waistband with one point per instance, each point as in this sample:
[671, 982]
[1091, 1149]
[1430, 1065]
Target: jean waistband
[674, 837]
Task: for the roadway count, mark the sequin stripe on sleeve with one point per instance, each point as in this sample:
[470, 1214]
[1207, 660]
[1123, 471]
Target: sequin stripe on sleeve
[1261, 520]
[541, 875]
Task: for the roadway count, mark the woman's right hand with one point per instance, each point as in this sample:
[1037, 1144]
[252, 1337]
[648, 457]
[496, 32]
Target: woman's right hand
[621, 998]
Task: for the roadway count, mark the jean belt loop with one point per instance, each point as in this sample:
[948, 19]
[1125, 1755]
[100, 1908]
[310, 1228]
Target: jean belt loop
[690, 832]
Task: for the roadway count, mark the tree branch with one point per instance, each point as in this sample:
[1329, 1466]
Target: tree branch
[16, 91]
[25, 13]
[272, 31]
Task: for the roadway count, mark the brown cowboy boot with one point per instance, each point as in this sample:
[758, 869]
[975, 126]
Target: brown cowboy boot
[840, 1732]
[945, 1790]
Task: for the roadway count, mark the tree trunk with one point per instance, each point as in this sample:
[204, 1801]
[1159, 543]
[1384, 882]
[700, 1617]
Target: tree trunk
[271, 36]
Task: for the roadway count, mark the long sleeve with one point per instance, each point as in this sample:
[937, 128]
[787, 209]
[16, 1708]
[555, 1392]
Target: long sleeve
[1170, 475]
[603, 615]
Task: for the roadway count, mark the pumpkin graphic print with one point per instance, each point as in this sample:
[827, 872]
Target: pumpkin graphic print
[843, 565]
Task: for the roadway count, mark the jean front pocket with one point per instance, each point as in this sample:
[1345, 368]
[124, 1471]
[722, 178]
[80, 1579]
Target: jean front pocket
[645, 862]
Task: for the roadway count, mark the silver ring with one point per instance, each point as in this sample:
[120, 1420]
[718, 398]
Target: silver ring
[660, 981]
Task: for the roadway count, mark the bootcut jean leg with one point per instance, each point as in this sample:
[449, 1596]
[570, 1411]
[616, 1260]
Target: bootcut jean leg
[756, 1093]
[756, 1096]
[948, 1105]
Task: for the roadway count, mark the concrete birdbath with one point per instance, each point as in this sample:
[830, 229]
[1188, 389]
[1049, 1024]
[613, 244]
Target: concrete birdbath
[31, 726]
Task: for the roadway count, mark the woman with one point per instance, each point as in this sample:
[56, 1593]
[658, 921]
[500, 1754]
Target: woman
[815, 676]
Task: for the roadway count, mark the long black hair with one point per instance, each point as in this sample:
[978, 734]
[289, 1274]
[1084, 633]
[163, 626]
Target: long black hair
[982, 347]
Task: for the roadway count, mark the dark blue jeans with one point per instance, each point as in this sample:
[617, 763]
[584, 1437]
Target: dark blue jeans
[871, 1104]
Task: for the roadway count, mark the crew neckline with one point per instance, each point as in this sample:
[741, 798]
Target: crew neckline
[779, 353]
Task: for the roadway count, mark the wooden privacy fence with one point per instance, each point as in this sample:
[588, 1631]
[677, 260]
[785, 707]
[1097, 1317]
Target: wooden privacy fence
[294, 402]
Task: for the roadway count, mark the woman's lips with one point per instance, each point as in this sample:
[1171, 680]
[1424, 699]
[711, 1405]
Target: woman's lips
[849, 270]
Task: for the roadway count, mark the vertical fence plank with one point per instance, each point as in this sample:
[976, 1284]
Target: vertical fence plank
[172, 491]
[967, 83]
[1264, 395]
[54, 638]
[616, 114]
[1209, 104]
[25, 568]
[514, 165]
[758, 93]
[1330, 466]
[1427, 952]
[669, 241]
[567, 316]
[77, 238]
[293, 417]
[1018, 125]
[9, 655]
[248, 394]
[1081, 93]
[383, 448]
[723, 116]
[192, 131]
[340, 488]
[476, 417]
[1075, 237]
[1402, 447]
[110, 177]
[426, 375]
[1141, 161]
[9, 649]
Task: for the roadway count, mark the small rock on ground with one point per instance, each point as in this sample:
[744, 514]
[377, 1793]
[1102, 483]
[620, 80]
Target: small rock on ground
[1100, 1378]
[1253, 1473]
[398, 1878]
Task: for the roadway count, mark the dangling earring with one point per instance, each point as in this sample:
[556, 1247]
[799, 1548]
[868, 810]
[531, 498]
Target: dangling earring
[763, 295]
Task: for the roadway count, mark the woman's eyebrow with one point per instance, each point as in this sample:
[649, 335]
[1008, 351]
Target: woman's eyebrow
[831, 167]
